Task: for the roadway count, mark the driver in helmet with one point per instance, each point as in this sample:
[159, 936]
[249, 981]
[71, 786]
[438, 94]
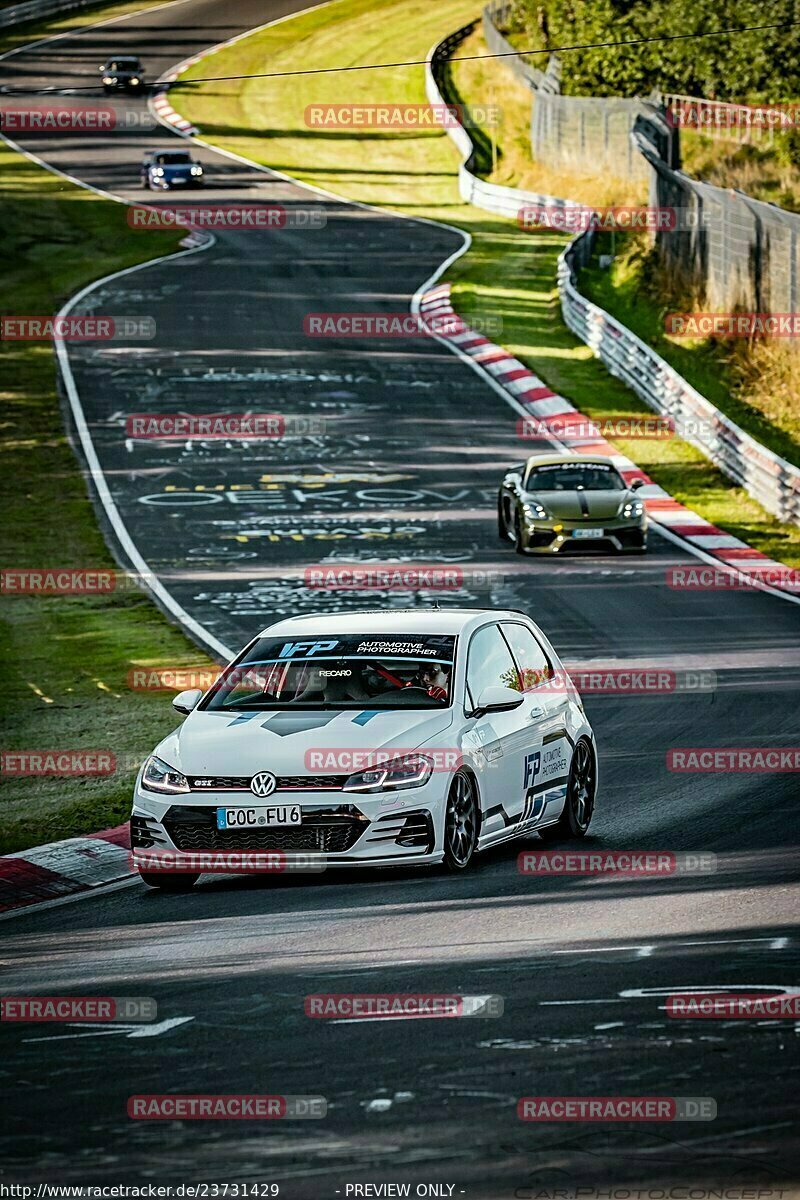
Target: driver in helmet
[435, 678]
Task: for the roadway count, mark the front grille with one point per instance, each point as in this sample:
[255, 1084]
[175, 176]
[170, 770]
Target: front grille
[577, 546]
[285, 783]
[327, 831]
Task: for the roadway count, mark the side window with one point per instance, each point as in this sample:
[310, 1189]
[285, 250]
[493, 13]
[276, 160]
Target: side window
[489, 663]
[534, 666]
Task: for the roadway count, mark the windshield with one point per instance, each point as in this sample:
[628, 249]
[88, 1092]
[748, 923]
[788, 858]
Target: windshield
[175, 159]
[355, 671]
[123, 64]
[571, 477]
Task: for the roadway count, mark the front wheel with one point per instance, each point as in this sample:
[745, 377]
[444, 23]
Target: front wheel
[461, 822]
[579, 805]
[502, 528]
[519, 537]
[169, 883]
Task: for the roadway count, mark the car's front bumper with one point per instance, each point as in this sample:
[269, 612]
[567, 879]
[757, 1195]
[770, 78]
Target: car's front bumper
[182, 183]
[560, 537]
[338, 828]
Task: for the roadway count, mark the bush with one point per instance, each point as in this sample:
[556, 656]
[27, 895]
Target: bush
[788, 145]
[750, 66]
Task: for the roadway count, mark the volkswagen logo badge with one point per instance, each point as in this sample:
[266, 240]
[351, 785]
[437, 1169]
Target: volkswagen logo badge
[263, 784]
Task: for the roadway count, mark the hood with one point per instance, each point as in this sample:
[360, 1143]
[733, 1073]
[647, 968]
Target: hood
[173, 169]
[219, 743]
[581, 505]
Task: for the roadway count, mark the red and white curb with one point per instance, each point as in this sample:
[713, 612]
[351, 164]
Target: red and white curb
[161, 108]
[550, 410]
[64, 868]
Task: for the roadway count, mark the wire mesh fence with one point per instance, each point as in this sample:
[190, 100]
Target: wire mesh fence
[735, 252]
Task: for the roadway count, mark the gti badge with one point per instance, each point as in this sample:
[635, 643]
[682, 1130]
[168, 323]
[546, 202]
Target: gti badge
[263, 784]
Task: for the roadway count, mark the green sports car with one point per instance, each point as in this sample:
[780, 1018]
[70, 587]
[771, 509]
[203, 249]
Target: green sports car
[556, 503]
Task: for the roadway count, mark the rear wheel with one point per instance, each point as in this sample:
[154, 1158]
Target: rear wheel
[169, 883]
[579, 806]
[461, 822]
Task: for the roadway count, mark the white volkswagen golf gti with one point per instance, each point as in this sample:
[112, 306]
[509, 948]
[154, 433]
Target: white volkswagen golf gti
[369, 739]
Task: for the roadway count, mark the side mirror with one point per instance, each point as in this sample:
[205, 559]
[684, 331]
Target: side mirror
[497, 699]
[637, 483]
[186, 702]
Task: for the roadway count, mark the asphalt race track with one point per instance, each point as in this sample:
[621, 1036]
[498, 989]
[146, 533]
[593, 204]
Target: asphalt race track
[407, 469]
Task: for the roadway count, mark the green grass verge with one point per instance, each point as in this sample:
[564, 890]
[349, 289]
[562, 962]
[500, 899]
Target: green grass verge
[507, 273]
[627, 290]
[66, 658]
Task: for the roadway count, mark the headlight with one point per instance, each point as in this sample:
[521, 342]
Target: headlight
[158, 777]
[633, 508]
[196, 170]
[135, 80]
[409, 772]
[158, 171]
[534, 511]
[107, 79]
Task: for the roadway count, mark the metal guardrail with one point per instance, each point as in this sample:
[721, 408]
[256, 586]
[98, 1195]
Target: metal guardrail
[770, 479]
[729, 122]
[498, 44]
[31, 10]
[507, 201]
